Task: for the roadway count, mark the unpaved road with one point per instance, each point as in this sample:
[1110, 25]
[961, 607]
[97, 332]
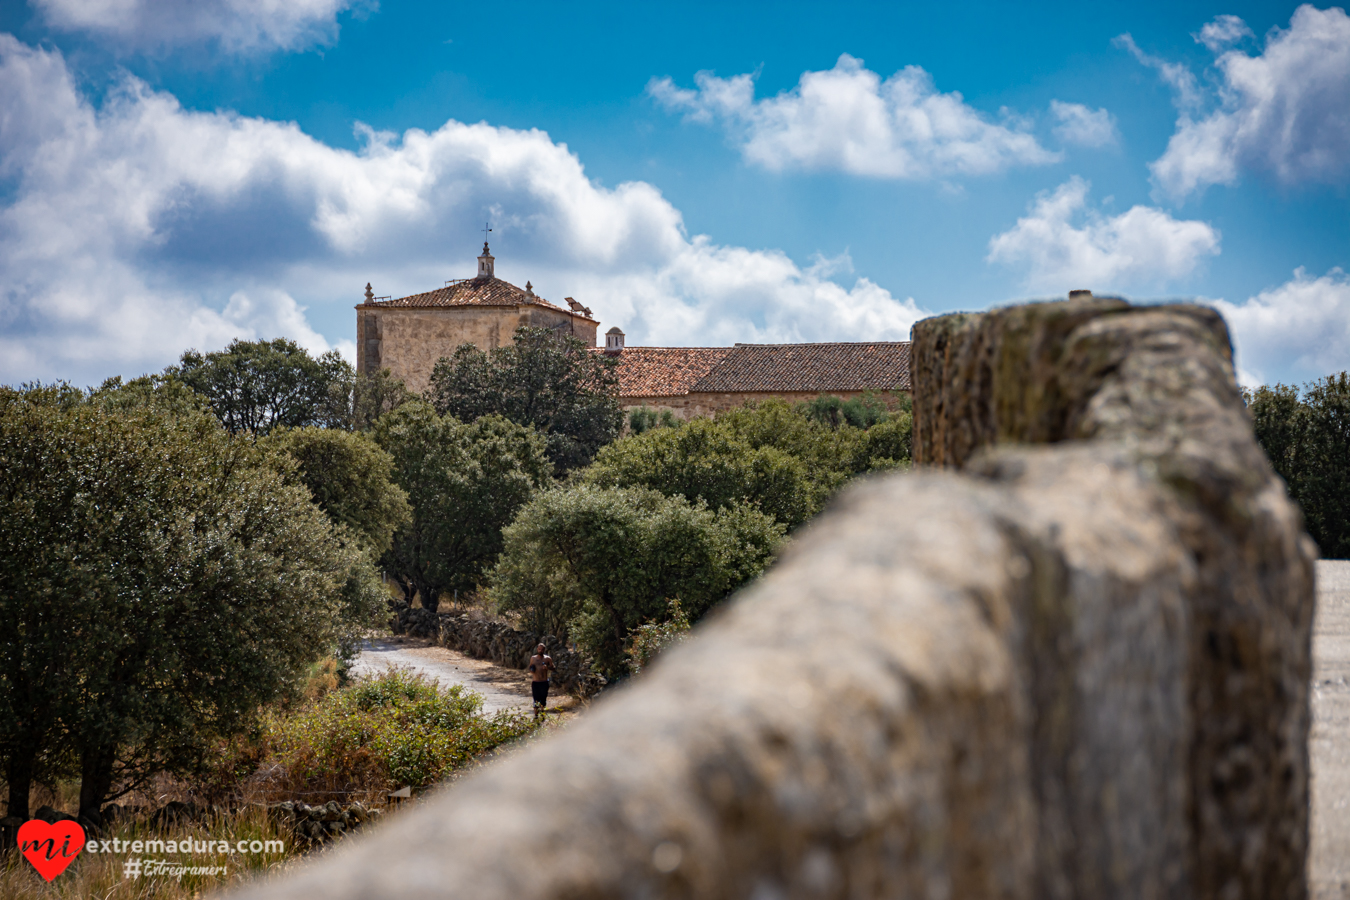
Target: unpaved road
[500, 688]
[1329, 859]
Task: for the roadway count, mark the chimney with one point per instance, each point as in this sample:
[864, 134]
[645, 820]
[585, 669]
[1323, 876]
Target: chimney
[613, 341]
[485, 263]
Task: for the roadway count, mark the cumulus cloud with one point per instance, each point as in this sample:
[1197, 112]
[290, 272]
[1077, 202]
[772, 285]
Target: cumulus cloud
[137, 229]
[1142, 247]
[849, 119]
[1221, 32]
[1083, 126]
[1295, 332]
[1285, 112]
[234, 25]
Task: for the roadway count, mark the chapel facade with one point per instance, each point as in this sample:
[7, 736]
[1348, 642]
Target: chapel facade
[409, 335]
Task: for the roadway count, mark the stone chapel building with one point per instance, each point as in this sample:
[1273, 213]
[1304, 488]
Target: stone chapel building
[410, 334]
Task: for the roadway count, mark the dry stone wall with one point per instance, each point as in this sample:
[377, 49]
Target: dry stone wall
[500, 643]
[1068, 659]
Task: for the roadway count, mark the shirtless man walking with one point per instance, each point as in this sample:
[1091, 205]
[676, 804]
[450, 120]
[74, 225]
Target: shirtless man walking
[540, 665]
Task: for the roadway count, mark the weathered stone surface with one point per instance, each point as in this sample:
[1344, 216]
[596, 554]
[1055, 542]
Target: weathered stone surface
[1075, 670]
[1157, 382]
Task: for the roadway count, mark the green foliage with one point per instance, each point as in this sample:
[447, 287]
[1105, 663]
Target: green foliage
[644, 418]
[350, 478]
[160, 580]
[392, 730]
[259, 385]
[465, 482]
[594, 563]
[357, 402]
[860, 412]
[886, 445]
[650, 639]
[160, 391]
[1308, 442]
[552, 383]
[771, 455]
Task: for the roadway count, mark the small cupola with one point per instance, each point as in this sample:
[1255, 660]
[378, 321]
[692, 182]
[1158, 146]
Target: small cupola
[485, 263]
[613, 341]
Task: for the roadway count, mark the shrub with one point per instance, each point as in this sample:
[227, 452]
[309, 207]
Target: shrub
[859, 412]
[653, 637]
[380, 733]
[594, 563]
[644, 418]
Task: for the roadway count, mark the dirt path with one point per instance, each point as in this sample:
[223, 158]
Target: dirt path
[500, 688]
[1329, 859]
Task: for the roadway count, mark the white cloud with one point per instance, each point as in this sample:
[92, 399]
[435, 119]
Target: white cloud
[1295, 332]
[1222, 31]
[849, 119]
[1083, 126]
[1285, 112]
[1181, 79]
[139, 229]
[235, 25]
[1142, 247]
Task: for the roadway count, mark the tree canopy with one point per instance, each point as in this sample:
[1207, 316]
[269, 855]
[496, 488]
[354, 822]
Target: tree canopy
[465, 482]
[1307, 439]
[776, 457]
[595, 563]
[552, 383]
[259, 385]
[350, 477]
[161, 579]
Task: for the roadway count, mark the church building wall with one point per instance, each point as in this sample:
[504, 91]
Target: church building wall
[709, 403]
[410, 341]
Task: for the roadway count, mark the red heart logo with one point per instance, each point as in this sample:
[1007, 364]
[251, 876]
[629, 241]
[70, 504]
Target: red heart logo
[50, 848]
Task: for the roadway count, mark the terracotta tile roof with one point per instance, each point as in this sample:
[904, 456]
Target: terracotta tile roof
[674, 371]
[473, 292]
[665, 371]
[879, 366]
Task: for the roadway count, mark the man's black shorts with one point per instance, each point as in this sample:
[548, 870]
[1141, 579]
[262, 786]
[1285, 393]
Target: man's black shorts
[540, 689]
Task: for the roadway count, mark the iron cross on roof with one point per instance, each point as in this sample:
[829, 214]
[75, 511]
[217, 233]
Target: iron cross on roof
[486, 230]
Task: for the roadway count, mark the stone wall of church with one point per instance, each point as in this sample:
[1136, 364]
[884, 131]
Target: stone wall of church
[710, 403]
[412, 340]
[409, 341]
[541, 317]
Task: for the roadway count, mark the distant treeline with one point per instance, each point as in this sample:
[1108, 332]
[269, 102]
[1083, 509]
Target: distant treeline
[1306, 435]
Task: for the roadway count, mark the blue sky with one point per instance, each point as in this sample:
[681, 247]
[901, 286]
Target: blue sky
[175, 174]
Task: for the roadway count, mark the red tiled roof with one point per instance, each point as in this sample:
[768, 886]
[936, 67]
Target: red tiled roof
[665, 371]
[674, 371]
[878, 366]
[473, 292]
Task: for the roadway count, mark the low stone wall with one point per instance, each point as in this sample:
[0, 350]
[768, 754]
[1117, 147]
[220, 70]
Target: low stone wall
[1071, 670]
[499, 643]
[505, 646]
